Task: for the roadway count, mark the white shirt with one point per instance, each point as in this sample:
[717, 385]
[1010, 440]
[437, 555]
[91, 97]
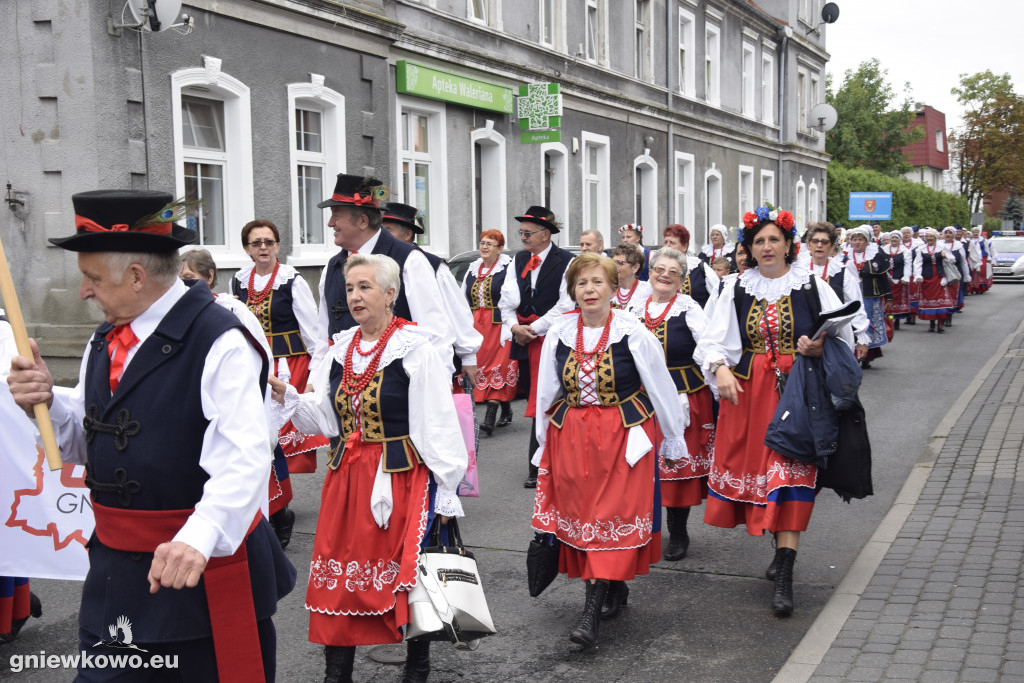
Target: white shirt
[236, 451]
[510, 300]
[421, 292]
[467, 339]
[851, 292]
[433, 423]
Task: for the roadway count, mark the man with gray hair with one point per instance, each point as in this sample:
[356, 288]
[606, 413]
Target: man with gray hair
[591, 241]
[168, 419]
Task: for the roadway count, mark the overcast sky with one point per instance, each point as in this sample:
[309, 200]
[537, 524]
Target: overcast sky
[929, 44]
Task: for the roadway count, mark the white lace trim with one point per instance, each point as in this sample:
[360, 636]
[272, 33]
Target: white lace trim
[285, 274]
[623, 323]
[619, 533]
[401, 342]
[726, 250]
[692, 262]
[682, 304]
[447, 504]
[772, 289]
[503, 261]
[674, 449]
[834, 265]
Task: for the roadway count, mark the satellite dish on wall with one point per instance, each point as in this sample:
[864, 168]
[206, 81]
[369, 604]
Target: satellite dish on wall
[823, 117]
[155, 15]
[830, 12]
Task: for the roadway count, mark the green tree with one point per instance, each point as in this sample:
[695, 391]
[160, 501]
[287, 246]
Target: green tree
[988, 149]
[1013, 210]
[870, 133]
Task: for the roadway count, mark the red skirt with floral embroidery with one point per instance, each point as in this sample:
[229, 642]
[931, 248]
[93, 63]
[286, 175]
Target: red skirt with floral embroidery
[687, 484]
[750, 483]
[900, 299]
[359, 573]
[600, 508]
[497, 375]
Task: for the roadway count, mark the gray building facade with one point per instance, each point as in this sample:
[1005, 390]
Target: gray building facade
[673, 111]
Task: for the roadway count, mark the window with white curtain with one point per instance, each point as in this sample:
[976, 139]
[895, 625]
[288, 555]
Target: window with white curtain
[643, 56]
[596, 184]
[767, 188]
[712, 64]
[746, 187]
[747, 80]
[685, 80]
[685, 194]
[767, 88]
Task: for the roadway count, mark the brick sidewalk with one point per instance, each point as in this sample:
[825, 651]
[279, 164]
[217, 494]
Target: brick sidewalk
[946, 603]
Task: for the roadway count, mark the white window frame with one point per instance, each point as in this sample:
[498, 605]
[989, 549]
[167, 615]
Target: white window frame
[812, 202]
[209, 82]
[767, 188]
[812, 100]
[685, 191]
[767, 87]
[745, 191]
[494, 198]
[603, 180]
[685, 67]
[747, 79]
[643, 42]
[437, 131]
[600, 55]
[802, 99]
[558, 28]
[712, 201]
[800, 205]
[648, 191]
[492, 13]
[559, 182]
[712, 63]
[940, 140]
[331, 105]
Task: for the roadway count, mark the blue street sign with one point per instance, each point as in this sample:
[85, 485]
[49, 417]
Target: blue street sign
[870, 206]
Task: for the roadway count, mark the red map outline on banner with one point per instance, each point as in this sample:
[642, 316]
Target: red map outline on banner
[51, 528]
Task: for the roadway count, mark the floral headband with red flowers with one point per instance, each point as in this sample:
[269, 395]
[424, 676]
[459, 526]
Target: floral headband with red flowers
[767, 214]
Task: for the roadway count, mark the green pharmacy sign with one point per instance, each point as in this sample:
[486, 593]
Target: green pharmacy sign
[416, 79]
[540, 106]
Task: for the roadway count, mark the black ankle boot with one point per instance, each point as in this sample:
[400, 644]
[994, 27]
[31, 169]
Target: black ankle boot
[911, 320]
[492, 413]
[949, 320]
[941, 328]
[678, 538]
[417, 661]
[896, 324]
[283, 521]
[585, 632]
[35, 609]
[339, 663]
[782, 599]
[506, 414]
[618, 594]
[773, 568]
[931, 325]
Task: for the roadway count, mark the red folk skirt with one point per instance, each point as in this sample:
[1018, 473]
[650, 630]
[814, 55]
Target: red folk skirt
[497, 374]
[600, 508]
[750, 483]
[937, 300]
[14, 601]
[299, 448]
[900, 299]
[360, 574]
[687, 484]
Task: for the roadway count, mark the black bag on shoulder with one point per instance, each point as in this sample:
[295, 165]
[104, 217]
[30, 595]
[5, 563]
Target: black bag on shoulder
[542, 562]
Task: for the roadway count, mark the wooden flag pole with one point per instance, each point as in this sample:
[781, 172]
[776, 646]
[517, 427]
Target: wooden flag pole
[42, 413]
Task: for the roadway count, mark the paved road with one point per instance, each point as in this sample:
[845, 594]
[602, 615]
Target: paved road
[705, 618]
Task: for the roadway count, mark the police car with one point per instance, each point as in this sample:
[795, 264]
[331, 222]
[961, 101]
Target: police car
[1009, 245]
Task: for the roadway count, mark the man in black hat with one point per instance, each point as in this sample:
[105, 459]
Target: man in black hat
[533, 299]
[168, 419]
[356, 221]
[404, 223]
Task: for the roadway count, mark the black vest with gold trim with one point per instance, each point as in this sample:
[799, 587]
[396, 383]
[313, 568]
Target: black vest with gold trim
[277, 318]
[487, 292]
[695, 285]
[677, 340]
[383, 416]
[836, 282]
[798, 312]
[618, 384]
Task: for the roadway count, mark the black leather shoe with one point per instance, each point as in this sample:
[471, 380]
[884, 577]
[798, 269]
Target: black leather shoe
[585, 632]
[678, 538]
[506, 415]
[773, 568]
[530, 483]
[782, 598]
[492, 412]
[617, 596]
[417, 661]
[339, 660]
[283, 522]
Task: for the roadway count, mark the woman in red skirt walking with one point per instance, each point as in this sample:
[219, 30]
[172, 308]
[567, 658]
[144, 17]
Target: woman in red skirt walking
[758, 325]
[385, 391]
[602, 379]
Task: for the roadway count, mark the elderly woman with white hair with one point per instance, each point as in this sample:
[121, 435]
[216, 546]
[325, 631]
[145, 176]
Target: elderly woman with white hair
[872, 266]
[399, 462]
[937, 299]
[719, 247]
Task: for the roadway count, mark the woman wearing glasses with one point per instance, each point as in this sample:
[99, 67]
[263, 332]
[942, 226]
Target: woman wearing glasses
[283, 303]
[678, 322]
[821, 241]
[497, 375]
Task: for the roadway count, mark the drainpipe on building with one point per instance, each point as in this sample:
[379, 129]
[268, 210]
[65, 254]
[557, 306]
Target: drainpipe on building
[784, 33]
[670, 177]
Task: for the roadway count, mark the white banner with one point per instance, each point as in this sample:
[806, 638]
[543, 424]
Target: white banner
[45, 516]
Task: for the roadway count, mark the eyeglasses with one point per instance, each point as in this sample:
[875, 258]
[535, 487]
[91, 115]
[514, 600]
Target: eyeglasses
[488, 244]
[620, 263]
[530, 233]
[256, 244]
[662, 270]
[820, 242]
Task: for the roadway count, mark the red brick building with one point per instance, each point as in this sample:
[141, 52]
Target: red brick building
[930, 155]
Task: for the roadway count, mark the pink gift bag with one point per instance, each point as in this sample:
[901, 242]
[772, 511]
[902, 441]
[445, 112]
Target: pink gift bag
[470, 485]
